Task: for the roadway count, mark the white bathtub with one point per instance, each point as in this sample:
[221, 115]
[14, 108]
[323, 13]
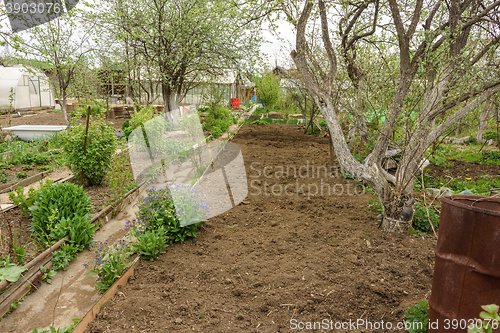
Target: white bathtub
[34, 132]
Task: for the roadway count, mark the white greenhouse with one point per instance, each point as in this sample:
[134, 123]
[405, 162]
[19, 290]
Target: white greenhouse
[25, 88]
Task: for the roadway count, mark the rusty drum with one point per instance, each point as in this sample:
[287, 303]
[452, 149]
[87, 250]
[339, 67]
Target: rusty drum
[467, 267]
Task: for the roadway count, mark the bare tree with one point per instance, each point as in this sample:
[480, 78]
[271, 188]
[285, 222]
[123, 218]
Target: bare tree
[444, 43]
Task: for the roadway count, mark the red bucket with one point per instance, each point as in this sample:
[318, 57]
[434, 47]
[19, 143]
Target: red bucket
[235, 102]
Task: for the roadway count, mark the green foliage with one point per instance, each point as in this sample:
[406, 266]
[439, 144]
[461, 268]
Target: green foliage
[490, 135]
[17, 197]
[481, 186]
[491, 320]
[149, 244]
[418, 314]
[44, 168]
[268, 88]
[57, 209]
[178, 150]
[490, 157]
[35, 158]
[101, 145]
[111, 261]
[420, 220]
[157, 210]
[95, 110]
[47, 274]
[215, 131]
[3, 176]
[63, 257]
[119, 176]
[66, 329]
[11, 272]
[22, 175]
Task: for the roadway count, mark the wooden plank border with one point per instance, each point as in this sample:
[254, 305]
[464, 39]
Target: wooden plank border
[24, 285]
[92, 313]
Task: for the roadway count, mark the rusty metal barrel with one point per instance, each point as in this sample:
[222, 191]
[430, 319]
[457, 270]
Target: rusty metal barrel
[467, 267]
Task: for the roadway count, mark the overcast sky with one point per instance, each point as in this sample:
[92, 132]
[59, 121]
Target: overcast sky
[278, 49]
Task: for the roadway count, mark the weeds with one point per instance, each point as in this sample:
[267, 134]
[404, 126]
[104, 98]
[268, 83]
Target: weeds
[418, 315]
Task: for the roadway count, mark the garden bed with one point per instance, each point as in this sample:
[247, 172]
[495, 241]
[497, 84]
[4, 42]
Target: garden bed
[276, 258]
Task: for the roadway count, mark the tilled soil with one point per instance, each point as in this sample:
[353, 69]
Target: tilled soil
[54, 118]
[279, 259]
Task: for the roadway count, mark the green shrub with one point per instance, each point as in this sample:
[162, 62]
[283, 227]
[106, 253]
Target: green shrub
[149, 244]
[17, 197]
[95, 110]
[101, 145]
[119, 176]
[44, 168]
[420, 220]
[3, 176]
[419, 316]
[491, 157]
[157, 210]
[490, 135]
[268, 89]
[37, 159]
[111, 261]
[63, 257]
[57, 209]
[22, 175]
[215, 132]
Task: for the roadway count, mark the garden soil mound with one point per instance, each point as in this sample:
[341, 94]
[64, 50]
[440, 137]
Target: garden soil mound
[275, 258]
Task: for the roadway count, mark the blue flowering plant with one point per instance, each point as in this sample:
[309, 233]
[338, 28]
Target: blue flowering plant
[146, 242]
[157, 209]
[110, 262]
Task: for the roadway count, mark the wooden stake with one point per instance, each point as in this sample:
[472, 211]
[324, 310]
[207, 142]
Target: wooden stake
[85, 142]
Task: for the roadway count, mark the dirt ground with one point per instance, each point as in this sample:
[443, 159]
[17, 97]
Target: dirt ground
[278, 258]
[462, 170]
[53, 118]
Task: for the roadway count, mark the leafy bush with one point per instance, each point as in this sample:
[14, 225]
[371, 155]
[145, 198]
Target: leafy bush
[57, 209]
[149, 244]
[37, 159]
[418, 314]
[215, 132]
[3, 176]
[119, 175]
[420, 220]
[101, 145]
[95, 110]
[157, 210]
[17, 197]
[110, 262]
[491, 157]
[63, 257]
[177, 150]
[157, 127]
[490, 135]
[22, 175]
[268, 89]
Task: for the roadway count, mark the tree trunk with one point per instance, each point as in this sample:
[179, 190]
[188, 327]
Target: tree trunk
[170, 100]
[63, 108]
[482, 123]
